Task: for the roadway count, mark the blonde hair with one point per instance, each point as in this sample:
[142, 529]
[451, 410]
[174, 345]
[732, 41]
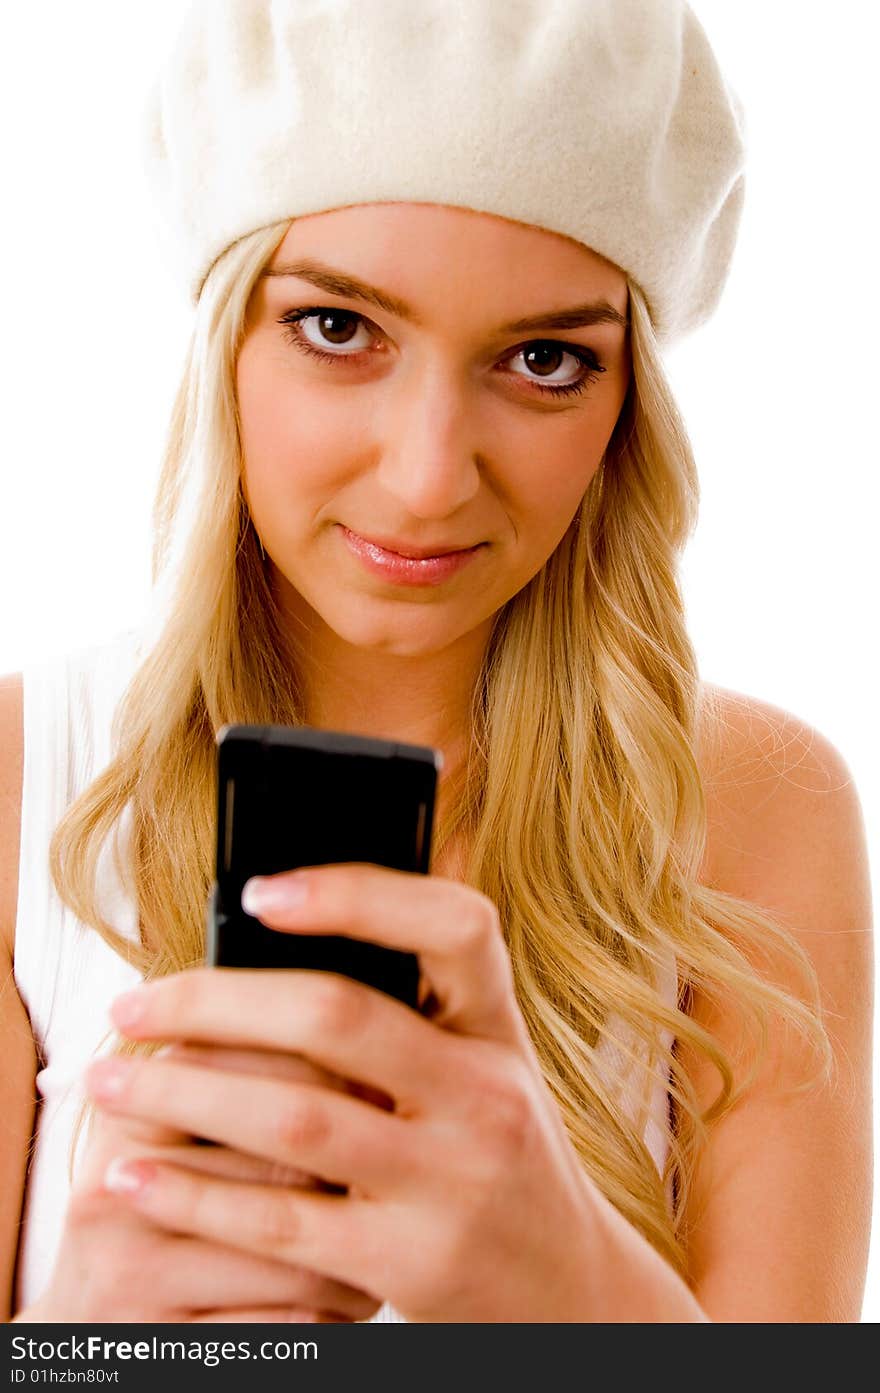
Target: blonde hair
[584, 806]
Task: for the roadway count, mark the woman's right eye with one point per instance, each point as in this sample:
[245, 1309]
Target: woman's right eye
[332, 326]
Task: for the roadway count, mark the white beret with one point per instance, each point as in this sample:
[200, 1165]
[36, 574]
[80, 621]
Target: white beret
[606, 120]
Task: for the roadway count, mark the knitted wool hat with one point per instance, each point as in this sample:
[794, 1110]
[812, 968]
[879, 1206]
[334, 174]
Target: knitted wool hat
[605, 120]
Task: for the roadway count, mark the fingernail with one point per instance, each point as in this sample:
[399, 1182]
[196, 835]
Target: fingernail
[123, 1177]
[260, 894]
[129, 1008]
[106, 1079]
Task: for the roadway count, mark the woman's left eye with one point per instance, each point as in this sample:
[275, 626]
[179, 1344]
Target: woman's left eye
[541, 349]
[536, 351]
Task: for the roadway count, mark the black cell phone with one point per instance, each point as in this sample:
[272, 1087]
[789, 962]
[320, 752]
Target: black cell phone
[290, 796]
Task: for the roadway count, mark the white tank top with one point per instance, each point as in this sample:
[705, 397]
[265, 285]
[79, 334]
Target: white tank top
[67, 976]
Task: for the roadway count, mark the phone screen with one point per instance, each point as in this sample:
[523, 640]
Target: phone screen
[290, 796]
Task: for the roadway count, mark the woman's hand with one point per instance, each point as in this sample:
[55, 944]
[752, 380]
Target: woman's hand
[466, 1203]
[110, 1135]
[116, 1265]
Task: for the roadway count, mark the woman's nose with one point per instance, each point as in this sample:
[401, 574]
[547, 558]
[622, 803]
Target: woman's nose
[428, 458]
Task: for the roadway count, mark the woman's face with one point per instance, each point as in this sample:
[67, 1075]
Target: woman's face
[430, 421]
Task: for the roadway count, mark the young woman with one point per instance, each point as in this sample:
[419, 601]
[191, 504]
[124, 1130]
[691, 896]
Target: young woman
[639, 1088]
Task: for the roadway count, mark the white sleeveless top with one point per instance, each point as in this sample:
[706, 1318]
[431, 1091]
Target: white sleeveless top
[67, 976]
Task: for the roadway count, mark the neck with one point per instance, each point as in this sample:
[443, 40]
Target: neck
[415, 697]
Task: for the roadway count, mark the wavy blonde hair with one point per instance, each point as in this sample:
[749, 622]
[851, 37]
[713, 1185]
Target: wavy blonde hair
[584, 807]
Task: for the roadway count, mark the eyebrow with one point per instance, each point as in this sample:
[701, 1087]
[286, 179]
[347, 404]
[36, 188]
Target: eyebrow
[340, 283]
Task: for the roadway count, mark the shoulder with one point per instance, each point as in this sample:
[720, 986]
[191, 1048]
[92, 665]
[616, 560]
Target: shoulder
[778, 792]
[786, 832]
[11, 771]
[787, 835]
[743, 737]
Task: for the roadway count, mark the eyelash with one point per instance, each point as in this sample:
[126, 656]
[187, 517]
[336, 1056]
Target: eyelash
[585, 356]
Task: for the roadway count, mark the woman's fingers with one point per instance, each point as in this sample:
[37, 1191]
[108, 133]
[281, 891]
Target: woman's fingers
[453, 929]
[343, 1026]
[340, 1236]
[258, 1281]
[235, 1278]
[274, 1064]
[329, 1134]
[266, 1063]
[120, 1265]
[236, 1165]
[233, 1165]
[112, 1136]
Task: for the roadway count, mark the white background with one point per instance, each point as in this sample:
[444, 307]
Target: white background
[779, 390]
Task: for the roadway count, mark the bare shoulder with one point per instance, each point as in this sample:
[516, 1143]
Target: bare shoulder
[761, 737]
[774, 784]
[11, 773]
[780, 1209]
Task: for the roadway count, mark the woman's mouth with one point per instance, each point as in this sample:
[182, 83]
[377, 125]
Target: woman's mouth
[407, 570]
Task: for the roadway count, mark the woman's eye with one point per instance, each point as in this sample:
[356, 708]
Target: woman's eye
[543, 356]
[331, 328]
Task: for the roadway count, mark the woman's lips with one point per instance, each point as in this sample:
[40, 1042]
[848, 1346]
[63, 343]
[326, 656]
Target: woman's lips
[407, 570]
